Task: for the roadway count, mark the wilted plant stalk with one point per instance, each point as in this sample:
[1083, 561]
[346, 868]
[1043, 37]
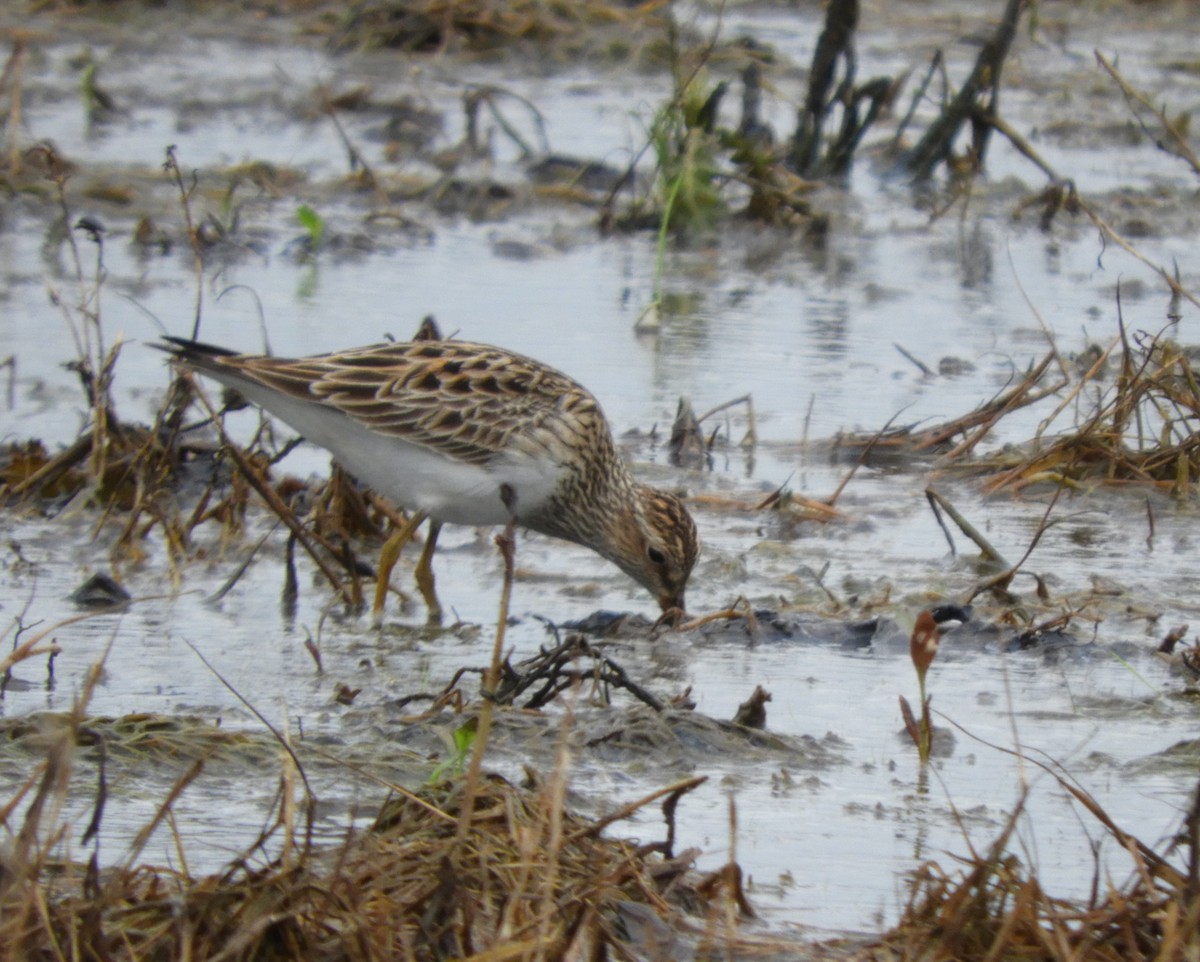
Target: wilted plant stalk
[923, 648]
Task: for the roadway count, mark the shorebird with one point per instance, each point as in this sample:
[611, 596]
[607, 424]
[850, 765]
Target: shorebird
[469, 434]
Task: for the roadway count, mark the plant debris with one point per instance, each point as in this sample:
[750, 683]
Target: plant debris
[996, 907]
[441, 873]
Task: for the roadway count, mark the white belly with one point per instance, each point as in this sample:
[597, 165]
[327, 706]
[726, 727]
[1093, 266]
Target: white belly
[414, 476]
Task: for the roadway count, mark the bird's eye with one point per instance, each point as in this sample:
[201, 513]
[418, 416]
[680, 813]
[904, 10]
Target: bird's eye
[656, 556]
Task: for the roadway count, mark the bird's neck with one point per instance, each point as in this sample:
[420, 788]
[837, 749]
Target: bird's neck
[594, 507]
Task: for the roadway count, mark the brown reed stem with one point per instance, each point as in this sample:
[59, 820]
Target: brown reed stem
[506, 542]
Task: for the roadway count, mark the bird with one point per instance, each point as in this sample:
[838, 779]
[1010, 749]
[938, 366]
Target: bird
[470, 434]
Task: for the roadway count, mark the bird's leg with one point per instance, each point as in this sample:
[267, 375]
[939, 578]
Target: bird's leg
[388, 558]
[424, 573]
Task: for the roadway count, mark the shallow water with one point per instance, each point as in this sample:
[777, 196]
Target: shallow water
[809, 330]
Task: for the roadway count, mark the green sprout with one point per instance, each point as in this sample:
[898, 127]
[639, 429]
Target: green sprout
[313, 223]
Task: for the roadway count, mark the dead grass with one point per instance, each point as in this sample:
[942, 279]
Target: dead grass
[464, 868]
[483, 24]
[512, 873]
[428, 25]
[481, 867]
[1132, 411]
[995, 908]
[407, 889]
[1136, 420]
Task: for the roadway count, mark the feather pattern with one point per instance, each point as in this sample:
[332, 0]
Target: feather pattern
[473, 434]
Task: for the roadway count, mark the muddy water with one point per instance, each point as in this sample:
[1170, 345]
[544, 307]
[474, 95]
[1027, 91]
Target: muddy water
[832, 817]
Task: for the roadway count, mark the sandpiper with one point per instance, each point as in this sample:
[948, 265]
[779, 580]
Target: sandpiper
[470, 434]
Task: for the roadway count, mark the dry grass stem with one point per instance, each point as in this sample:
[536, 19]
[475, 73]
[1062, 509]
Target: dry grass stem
[525, 879]
[1140, 424]
[995, 908]
[1179, 147]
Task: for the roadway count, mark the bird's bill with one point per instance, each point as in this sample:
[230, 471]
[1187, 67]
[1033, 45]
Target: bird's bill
[671, 602]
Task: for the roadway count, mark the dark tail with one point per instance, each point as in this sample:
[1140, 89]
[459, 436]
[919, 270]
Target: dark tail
[189, 350]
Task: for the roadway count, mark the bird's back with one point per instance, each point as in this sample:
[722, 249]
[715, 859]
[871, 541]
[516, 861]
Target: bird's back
[427, 422]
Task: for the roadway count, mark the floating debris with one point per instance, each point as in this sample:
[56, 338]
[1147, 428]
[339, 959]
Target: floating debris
[100, 591]
[752, 713]
[687, 446]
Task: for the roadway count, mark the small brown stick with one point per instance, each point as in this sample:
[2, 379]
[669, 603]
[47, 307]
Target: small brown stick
[234, 578]
[449, 695]
[1002, 126]
[686, 446]
[13, 69]
[291, 584]
[1005, 578]
[506, 542]
[808, 413]
[622, 679]
[751, 437]
[937, 65]
[274, 502]
[675, 790]
[862, 459]
[1177, 289]
[340, 758]
[29, 649]
[937, 501]
[356, 159]
[775, 500]
[1074, 392]
[813, 510]
[56, 467]
[284, 742]
[1022, 395]
[10, 395]
[1049, 334]
[724, 614]
[171, 166]
[162, 813]
[286, 515]
[487, 95]
[1183, 149]
[739, 609]
[921, 366]
[735, 895]
[937, 515]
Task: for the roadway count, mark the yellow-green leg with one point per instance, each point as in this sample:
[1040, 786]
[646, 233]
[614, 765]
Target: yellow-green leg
[388, 558]
[424, 573]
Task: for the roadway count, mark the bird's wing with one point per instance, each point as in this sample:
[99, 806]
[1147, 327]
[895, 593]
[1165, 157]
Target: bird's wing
[467, 401]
